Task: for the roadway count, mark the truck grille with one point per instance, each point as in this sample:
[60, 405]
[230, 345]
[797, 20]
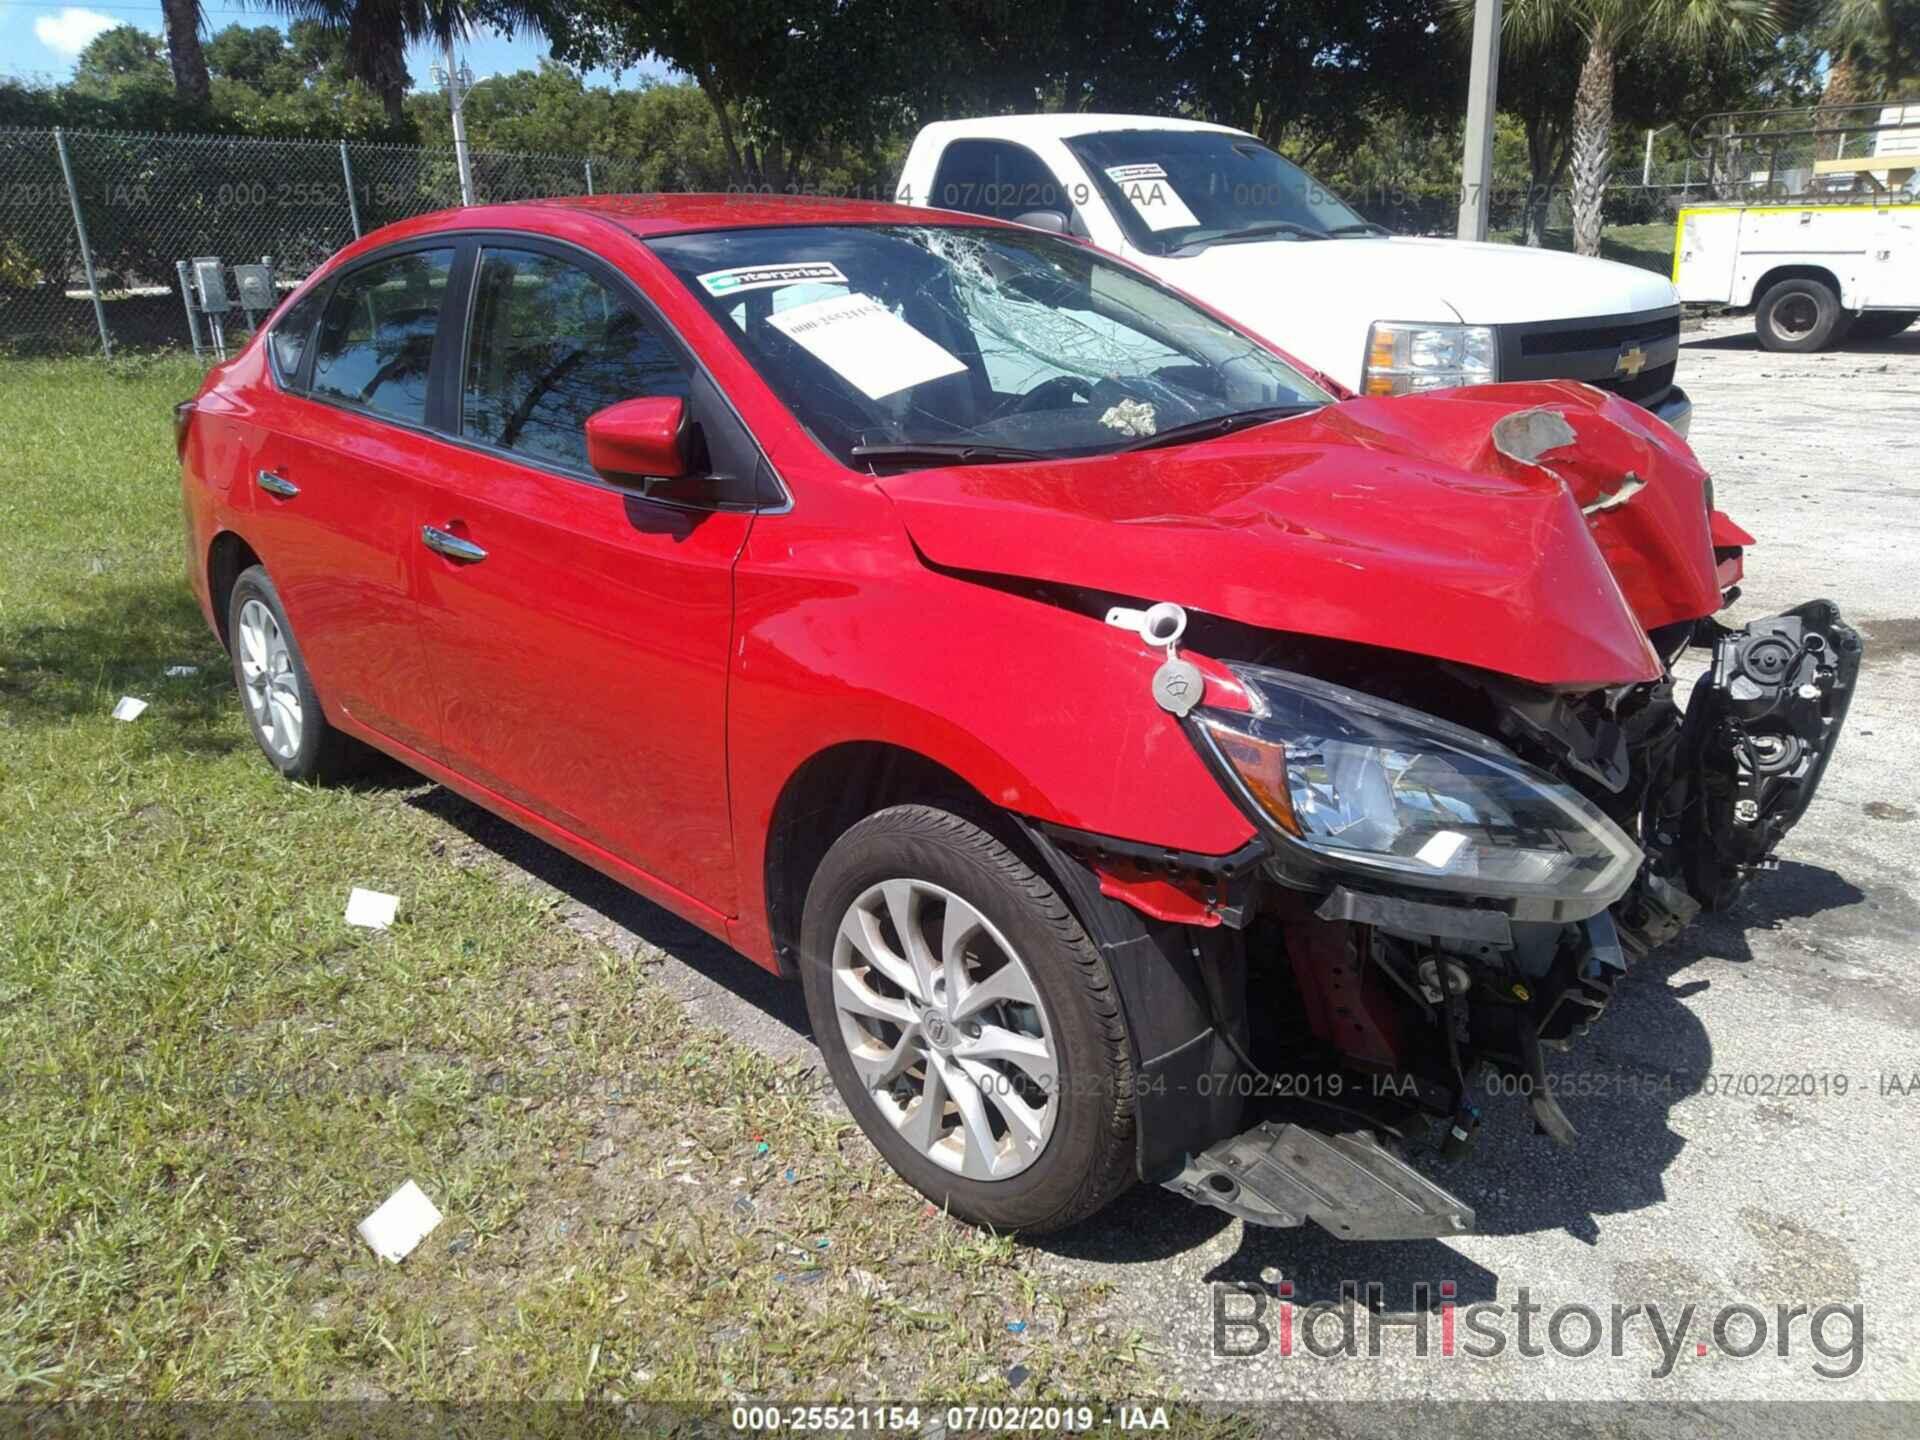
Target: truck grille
[1593, 350]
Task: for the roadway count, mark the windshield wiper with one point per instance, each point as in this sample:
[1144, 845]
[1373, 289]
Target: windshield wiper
[1252, 232]
[945, 452]
[1361, 227]
[1221, 425]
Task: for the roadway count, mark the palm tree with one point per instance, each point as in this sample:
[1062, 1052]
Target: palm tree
[1869, 46]
[1607, 28]
[190, 82]
[378, 33]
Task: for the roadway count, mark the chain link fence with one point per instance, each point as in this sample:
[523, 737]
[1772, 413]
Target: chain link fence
[93, 225]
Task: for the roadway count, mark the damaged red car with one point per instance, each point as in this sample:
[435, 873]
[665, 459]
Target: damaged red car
[1154, 763]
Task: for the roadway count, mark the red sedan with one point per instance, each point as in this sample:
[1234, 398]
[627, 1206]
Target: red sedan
[1140, 750]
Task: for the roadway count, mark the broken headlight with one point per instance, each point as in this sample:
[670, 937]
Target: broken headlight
[1345, 782]
[1404, 358]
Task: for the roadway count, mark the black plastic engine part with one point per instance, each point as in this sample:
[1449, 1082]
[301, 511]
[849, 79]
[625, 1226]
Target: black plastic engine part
[1759, 730]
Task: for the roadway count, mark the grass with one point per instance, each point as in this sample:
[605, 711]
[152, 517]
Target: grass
[209, 1079]
[1648, 246]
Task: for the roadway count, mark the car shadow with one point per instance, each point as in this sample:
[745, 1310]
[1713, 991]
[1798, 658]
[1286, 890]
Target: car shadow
[1617, 1085]
[615, 912]
[103, 636]
[1746, 341]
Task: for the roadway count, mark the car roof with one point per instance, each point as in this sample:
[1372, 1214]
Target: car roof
[652, 215]
[1060, 126]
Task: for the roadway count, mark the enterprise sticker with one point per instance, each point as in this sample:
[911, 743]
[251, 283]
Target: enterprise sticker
[760, 277]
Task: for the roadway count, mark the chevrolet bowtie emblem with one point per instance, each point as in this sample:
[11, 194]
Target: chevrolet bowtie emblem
[1631, 362]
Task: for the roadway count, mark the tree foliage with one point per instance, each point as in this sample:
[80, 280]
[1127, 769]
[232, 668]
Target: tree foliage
[826, 93]
[792, 86]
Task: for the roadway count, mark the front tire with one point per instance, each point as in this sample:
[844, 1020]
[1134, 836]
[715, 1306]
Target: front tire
[276, 692]
[968, 1022]
[1799, 315]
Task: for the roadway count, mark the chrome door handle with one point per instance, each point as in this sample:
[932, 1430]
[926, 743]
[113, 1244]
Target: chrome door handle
[275, 484]
[451, 546]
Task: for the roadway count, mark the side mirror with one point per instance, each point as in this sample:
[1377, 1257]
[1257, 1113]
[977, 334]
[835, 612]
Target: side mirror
[1051, 220]
[639, 442]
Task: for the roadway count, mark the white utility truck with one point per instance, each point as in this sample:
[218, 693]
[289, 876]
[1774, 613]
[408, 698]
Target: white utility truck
[1843, 264]
[1814, 274]
[1216, 213]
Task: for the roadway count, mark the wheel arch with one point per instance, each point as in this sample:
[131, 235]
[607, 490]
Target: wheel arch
[228, 556]
[1796, 272]
[832, 791]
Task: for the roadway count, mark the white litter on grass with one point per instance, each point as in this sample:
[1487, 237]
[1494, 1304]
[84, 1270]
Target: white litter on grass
[129, 708]
[406, 1219]
[371, 909]
[181, 672]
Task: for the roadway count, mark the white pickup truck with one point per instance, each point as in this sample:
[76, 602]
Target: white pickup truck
[1218, 214]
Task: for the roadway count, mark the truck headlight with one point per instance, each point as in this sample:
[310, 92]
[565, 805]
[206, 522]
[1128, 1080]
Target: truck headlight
[1360, 785]
[1402, 358]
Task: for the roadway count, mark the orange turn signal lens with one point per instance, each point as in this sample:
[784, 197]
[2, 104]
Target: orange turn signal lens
[1262, 768]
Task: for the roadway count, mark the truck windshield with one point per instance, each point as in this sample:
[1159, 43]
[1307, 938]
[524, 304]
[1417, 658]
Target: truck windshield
[933, 344]
[1176, 189]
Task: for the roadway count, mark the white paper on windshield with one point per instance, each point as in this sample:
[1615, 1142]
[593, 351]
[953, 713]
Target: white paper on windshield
[1153, 195]
[866, 344]
[761, 277]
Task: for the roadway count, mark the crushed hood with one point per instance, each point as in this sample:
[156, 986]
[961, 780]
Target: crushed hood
[1391, 522]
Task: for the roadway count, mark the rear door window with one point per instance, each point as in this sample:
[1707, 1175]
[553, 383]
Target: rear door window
[376, 338]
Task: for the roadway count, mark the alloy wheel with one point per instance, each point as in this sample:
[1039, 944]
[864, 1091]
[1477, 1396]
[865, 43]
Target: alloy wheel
[945, 1029]
[268, 681]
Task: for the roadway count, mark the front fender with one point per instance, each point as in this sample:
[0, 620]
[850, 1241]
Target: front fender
[1046, 712]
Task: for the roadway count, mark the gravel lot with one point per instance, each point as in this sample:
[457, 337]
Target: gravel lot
[1684, 1190]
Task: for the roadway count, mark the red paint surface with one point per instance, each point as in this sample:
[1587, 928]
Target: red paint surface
[1154, 895]
[638, 438]
[638, 683]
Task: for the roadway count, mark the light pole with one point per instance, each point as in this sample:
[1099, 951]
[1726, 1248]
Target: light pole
[1646, 165]
[1483, 84]
[458, 80]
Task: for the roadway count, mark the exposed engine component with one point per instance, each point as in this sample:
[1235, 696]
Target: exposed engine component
[1453, 882]
[1759, 730]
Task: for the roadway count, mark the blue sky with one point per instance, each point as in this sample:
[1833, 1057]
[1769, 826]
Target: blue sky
[39, 39]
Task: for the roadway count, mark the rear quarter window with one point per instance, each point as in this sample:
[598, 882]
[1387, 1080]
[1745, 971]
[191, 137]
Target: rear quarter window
[291, 334]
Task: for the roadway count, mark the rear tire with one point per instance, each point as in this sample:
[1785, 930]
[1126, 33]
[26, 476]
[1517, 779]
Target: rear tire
[276, 692]
[1882, 324]
[1799, 315]
[919, 1042]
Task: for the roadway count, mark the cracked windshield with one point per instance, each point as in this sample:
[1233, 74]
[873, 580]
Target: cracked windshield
[919, 345]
